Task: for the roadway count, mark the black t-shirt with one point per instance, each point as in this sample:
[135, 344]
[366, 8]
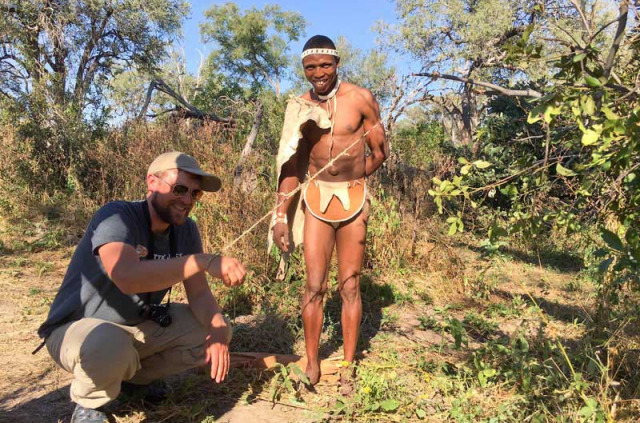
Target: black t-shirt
[87, 291]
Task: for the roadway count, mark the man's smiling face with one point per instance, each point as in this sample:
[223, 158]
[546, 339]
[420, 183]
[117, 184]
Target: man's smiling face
[171, 208]
[321, 71]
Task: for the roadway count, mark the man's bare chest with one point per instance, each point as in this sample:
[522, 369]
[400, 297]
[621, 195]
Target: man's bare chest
[344, 124]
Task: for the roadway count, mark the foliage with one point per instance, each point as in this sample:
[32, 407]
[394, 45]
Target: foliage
[57, 60]
[470, 38]
[63, 52]
[566, 161]
[284, 382]
[252, 46]
[583, 158]
[417, 144]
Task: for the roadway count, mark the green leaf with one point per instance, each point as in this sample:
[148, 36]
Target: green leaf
[611, 239]
[453, 228]
[421, 413]
[481, 164]
[509, 190]
[564, 171]
[339, 407]
[465, 169]
[298, 372]
[536, 113]
[592, 82]
[600, 253]
[579, 57]
[590, 137]
[389, 405]
[609, 114]
[462, 160]
[551, 111]
[588, 105]
[527, 33]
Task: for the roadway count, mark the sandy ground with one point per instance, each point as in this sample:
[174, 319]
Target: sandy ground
[33, 388]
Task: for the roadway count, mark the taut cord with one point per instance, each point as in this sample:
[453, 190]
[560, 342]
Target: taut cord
[298, 188]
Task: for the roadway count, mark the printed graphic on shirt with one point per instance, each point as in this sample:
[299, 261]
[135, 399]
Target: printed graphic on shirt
[141, 251]
[165, 256]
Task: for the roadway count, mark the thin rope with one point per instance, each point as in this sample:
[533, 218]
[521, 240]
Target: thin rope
[334, 113]
[298, 188]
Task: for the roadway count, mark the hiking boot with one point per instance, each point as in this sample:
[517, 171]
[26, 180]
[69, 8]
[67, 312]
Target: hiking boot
[88, 415]
[153, 393]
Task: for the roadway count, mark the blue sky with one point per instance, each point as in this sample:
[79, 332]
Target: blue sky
[353, 19]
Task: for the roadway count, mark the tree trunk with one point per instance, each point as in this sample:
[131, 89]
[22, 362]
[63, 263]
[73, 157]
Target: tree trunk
[248, 146]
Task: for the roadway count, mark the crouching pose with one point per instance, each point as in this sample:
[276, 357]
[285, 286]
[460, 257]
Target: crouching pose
[108, 324]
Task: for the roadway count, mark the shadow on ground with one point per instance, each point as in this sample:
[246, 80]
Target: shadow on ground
[193, 396]
[375, 297]
[560, 311]
[562, 261]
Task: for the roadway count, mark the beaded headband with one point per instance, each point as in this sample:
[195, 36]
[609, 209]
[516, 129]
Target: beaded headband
[330, 51]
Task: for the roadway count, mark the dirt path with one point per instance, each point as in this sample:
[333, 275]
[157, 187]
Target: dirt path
[35, 389]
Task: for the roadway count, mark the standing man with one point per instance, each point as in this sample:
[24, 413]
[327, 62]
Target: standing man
[107, 324]
[319, 126]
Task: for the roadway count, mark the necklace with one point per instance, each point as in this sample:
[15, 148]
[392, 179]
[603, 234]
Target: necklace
[331, 94]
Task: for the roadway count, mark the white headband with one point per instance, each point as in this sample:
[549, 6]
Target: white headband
[310, 51]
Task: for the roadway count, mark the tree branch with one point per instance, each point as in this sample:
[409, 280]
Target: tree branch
[505, 91]
[187, 109]
[84, 75]
[622, 24]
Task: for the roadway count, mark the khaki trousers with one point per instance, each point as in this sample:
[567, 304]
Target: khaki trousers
[101, 354]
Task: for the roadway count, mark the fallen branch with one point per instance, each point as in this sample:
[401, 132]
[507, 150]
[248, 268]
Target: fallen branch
[185, 108]
[493, 87]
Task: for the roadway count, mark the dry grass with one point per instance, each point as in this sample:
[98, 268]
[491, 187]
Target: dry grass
[417, 286]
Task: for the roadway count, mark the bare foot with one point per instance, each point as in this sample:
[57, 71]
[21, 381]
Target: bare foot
[313, 373]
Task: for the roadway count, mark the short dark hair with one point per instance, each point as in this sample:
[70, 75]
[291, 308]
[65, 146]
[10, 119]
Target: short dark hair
[319, 41]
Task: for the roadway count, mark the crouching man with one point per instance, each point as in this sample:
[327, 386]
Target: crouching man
[108, 324]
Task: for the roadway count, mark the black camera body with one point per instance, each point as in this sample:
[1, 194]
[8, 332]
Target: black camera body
[159, 313]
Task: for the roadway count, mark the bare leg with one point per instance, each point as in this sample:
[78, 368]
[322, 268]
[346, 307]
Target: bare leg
[319, 239]
[350, 243]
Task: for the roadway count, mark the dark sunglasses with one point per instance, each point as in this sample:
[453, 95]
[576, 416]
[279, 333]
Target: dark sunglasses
[180, 190]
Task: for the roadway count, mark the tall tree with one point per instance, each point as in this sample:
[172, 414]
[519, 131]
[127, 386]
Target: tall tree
[252, 46]
[63, 51]
[465, 38]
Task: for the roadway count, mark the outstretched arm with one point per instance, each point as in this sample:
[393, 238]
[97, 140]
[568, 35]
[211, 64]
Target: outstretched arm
[133, 276]
[373, 127]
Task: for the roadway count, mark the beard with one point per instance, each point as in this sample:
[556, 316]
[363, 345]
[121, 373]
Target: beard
[165, 213]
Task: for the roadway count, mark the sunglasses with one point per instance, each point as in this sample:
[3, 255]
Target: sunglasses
[180, 190]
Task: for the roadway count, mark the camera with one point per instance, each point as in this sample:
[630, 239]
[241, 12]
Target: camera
[159, 313]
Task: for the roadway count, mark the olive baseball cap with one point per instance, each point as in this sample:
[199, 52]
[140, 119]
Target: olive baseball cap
[182, 161]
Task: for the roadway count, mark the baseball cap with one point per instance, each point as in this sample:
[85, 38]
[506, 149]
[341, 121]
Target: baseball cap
[182, 161]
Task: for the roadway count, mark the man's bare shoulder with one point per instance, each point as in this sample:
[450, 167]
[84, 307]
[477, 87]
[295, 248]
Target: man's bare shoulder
[357, 93]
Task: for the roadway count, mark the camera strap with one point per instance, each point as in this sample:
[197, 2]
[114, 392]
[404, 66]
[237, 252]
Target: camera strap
[172, 246]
